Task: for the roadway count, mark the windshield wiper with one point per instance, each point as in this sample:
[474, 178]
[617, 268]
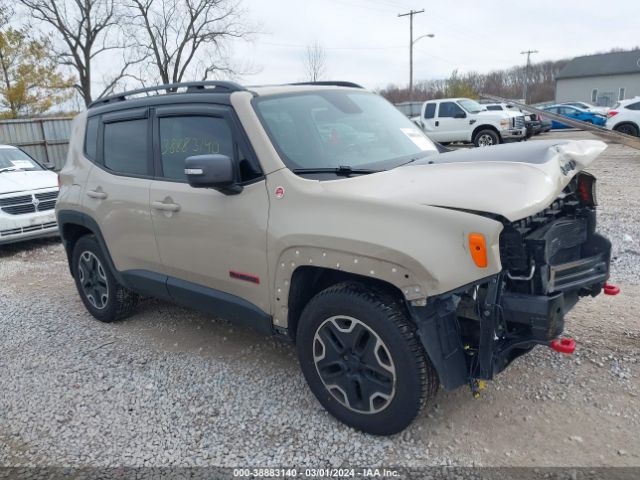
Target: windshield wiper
[344, 170]
[414, 159]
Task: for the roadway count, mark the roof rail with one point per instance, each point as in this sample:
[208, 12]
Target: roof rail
[171, 88]
[338, 83]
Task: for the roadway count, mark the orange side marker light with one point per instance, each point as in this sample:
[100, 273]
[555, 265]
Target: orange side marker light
[478, 249]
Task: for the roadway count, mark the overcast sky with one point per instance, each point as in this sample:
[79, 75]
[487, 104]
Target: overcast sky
[367, 43]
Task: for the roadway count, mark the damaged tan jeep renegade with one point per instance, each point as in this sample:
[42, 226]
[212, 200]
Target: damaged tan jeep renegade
[318, 212]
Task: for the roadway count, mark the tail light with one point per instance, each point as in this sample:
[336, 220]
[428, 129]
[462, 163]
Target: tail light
[611, 113]
[586, 190]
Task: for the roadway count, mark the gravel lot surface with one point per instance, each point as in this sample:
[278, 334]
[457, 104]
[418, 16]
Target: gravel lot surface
[173, 387]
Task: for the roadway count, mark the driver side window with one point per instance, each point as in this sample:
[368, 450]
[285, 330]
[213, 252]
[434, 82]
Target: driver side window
[185, 136]
[449, 110]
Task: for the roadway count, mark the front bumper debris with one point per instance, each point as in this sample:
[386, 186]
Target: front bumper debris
[549, 261]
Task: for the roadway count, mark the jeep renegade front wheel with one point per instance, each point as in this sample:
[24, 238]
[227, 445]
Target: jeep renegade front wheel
[100, 292]
[362, 359]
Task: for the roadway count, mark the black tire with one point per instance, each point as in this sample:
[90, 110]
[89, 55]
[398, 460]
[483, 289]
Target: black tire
[100, 292]
[379, 337]
[628, 129]
[486, 138]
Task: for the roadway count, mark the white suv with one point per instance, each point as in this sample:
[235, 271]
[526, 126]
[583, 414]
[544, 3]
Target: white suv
[624, 117]
[28, 193]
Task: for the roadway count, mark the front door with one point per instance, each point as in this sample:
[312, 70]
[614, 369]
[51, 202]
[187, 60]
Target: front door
[452, 121]
[207, 238]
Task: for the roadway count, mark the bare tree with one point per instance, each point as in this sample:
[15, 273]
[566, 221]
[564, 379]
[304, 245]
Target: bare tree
[505, 83]
[85, 30]
[315, 62]
[188, 37]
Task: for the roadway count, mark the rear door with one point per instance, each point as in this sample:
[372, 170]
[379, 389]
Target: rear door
[558, 111]
[206, 238]
[117, 190]
[429, 119]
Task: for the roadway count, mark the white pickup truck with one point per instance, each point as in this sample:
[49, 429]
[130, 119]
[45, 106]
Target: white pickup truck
[464, 120]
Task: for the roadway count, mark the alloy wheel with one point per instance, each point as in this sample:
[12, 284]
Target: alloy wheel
[354, 364]
[485, 140]
[627, 130]
[93, 280]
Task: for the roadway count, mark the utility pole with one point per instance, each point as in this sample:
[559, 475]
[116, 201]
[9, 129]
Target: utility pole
[411, 42]
[526, 74]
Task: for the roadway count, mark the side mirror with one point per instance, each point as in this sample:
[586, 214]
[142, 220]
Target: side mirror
[212, 171]
[460, 115]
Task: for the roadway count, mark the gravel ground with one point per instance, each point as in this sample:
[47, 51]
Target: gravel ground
[172, 387]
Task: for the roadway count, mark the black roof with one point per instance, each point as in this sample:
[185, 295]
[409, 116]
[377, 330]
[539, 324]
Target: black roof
[614, 63]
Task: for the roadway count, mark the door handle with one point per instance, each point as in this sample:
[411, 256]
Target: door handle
[437, 123]
[165, 207]
[98, 194]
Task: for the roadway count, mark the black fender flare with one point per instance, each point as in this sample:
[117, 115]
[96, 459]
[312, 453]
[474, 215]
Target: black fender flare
[71, 217]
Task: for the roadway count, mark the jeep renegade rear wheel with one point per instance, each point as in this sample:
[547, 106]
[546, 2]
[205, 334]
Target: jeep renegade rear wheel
[362, 359]
[100, 292]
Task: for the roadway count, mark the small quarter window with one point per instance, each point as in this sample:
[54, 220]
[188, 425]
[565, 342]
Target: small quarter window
[91, 138]
[125, 147]
[430, 111]
[634, 106]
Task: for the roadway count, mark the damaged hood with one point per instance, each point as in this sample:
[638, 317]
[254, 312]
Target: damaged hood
[513, 180]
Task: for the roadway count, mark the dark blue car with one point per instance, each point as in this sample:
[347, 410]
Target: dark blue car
[575, 113]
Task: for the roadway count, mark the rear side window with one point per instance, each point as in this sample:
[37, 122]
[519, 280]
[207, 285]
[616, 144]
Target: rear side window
[634, 106]
[182, 137]
[125, 147]
[91, 138]
[494, 107]
[430, 111]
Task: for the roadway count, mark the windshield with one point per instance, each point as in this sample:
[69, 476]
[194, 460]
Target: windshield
[470, 105]
[339, 128]
[16, 159]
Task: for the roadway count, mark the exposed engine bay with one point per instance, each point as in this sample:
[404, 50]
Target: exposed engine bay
[549, 261]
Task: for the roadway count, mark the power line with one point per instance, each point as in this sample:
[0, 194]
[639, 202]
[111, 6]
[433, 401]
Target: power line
[290, 45]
